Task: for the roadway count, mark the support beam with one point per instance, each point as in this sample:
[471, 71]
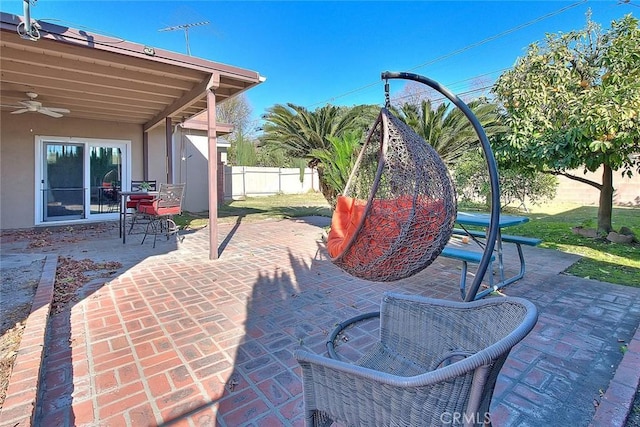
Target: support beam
[168, 136]
[190, 98]
[213, 174]
[145, 156]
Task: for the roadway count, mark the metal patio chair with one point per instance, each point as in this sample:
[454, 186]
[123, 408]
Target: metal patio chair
[134, 201]
[142, 187]
[160, 211]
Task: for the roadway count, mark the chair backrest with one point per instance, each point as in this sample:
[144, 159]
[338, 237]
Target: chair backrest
[170, 196]
[139, 185]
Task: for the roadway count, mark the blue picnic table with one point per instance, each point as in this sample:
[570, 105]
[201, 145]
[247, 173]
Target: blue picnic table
[483, 220]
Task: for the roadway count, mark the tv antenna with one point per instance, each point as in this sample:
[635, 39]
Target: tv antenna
[185, 27]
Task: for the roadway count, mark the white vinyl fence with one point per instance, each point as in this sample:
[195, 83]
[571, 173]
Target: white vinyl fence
[249, 181]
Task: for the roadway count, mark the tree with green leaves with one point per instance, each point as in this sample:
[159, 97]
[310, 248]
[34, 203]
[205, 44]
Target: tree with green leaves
[447, 129]
[516, 185]
[300, 131]
[574, 102]
[243, 151]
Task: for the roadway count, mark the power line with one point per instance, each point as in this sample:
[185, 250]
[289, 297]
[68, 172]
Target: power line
[458, 51]
[452, 85]
[444, 98]
[627, 2]
[497, 36]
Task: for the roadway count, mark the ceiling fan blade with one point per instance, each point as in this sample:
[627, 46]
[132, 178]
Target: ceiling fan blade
[20, 111]
[58, 110]
[50, 113]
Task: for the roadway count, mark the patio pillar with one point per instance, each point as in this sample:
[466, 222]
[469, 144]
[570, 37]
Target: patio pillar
[168, 135]
[145, 155]
[213, 173]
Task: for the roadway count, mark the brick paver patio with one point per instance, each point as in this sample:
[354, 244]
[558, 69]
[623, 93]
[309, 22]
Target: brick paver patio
[176, 339]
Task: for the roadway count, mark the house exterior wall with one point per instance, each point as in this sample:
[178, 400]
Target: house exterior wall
[157, 157]
[192, 168]
[17, 157]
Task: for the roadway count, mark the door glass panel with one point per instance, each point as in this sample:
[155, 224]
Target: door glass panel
[63, 189]
[105, 177]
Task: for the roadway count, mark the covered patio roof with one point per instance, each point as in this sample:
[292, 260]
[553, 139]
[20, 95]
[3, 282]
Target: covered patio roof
[105, 78]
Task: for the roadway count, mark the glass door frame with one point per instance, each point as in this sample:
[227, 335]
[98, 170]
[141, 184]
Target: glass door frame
[88, 143]
[66, 188]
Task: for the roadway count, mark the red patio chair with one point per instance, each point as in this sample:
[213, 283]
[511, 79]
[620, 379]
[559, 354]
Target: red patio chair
[161, 210]
[135, 200]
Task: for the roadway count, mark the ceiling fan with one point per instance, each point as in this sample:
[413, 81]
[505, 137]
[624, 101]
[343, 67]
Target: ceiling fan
[31, 105]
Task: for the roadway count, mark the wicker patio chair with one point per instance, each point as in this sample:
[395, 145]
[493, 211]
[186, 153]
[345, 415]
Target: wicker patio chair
[436, 363]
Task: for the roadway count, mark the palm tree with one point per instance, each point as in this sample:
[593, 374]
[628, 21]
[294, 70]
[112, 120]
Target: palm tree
[337, 162]
[448, 130]
[299, 132]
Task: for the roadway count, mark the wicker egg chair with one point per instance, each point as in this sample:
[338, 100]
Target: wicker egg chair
[398, 208]
[397, 211]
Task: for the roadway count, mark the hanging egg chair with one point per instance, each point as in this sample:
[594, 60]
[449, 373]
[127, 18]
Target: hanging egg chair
[397, 211]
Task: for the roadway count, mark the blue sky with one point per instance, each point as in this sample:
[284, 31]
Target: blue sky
[318, 52]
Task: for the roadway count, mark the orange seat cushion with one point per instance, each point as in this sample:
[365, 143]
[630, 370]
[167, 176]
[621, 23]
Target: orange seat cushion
[378, 241]
[140, 197]
[344, 223]
[153, 209]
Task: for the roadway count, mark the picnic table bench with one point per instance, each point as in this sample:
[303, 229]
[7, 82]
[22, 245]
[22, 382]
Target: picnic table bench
[470, 256]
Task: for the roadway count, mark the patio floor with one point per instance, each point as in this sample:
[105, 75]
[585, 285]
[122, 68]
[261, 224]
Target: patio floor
[176, 339]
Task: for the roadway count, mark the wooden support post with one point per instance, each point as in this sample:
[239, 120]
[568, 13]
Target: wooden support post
[168, 130]
[145, 155]
[213, 174]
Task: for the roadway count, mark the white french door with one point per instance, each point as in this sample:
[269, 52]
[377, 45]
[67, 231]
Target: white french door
[78, 179]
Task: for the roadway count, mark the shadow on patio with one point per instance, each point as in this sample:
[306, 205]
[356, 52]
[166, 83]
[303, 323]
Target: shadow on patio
[179, 340]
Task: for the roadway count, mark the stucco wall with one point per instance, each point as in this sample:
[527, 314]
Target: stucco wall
[17, 157]
[157, 157]
[627, 190]
[192, 168]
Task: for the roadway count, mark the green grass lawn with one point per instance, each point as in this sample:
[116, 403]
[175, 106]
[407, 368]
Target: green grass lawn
[259, 208]
[601, 260]
[279, 207]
